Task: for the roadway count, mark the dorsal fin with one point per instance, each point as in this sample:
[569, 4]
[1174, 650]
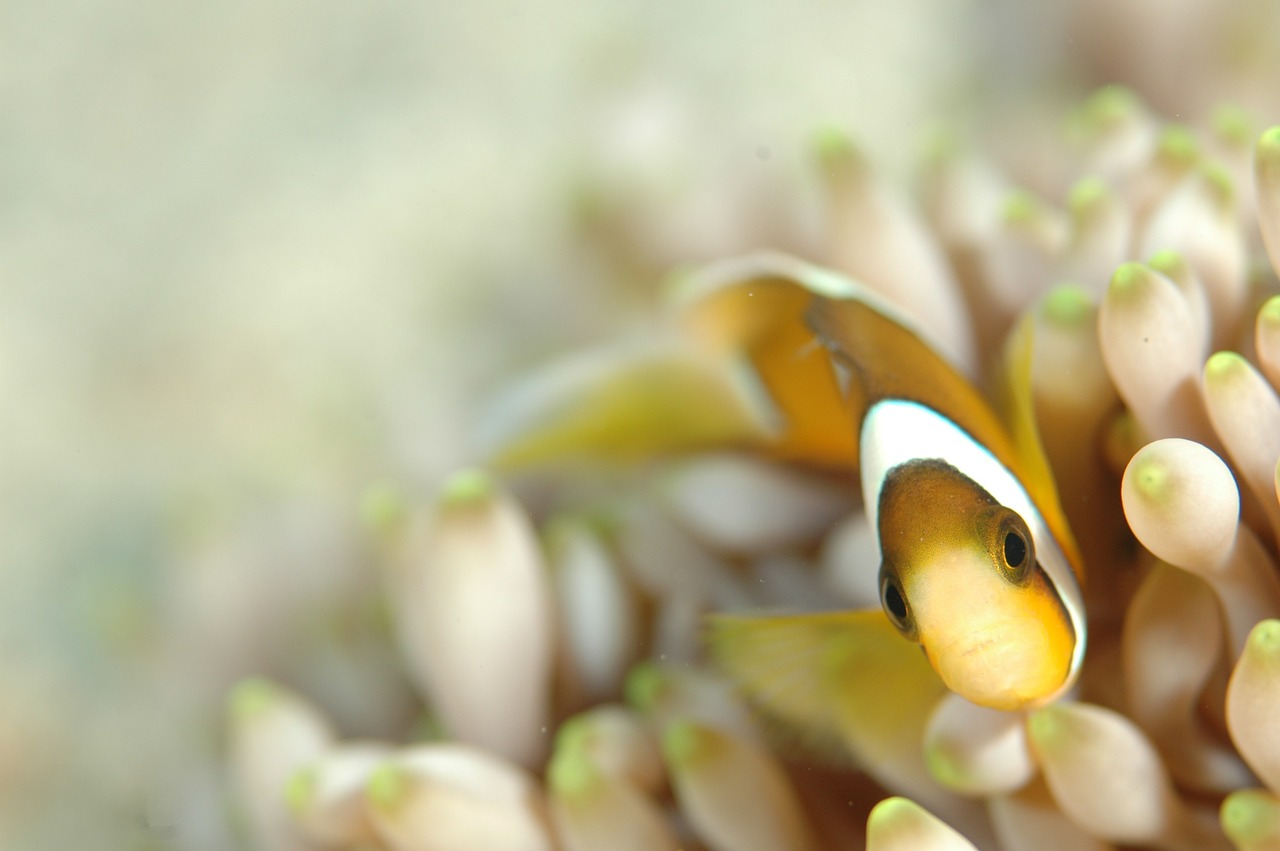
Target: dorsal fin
[890, 361]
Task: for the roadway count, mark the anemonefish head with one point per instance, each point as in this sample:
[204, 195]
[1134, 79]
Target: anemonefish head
[960, 576]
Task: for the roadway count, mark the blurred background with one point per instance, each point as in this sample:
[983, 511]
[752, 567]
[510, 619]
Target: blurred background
[255, 256]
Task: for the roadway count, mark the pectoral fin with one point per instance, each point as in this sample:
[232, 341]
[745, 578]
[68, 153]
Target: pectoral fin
[845, 676]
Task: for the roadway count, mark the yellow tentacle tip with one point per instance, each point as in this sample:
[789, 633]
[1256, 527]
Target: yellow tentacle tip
[1046, 726]
[1269, 313]
[387, 787]
[1266, 159]
[1224, 367]
[644, 686]
[898, 823]
[1264, 642]
[251, 696]
[1128, 279]
[1068, 306]
[684, 742]
[467, 488]
[1152, 477]
[570, 773]
[1251, 818]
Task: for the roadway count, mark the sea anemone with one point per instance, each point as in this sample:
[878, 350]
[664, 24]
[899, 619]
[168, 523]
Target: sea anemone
[550, 605]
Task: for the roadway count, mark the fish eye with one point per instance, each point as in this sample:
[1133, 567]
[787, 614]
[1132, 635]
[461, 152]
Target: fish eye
[1017, 552]
[1015, 549]
[895, 604]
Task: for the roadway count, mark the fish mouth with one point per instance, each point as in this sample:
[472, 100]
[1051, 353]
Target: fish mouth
[995, 645]
[977, 647]
[995, 669]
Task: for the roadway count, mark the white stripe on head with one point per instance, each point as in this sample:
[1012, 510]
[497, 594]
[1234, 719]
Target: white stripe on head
[896, 431]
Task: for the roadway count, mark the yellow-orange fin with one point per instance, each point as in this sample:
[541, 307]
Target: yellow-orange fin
[825, 676]
[889, 359]
[754, 308]
[1016, 402]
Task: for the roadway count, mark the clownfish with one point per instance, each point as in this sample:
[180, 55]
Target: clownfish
[978, 566]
